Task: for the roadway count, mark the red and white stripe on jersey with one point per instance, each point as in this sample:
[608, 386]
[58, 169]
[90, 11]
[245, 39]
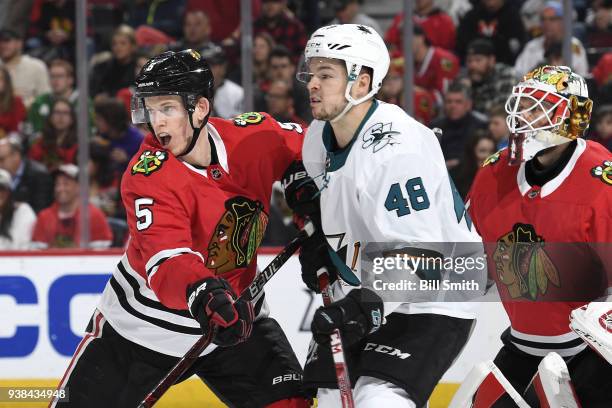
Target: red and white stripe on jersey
[156, 260]
[96, 333]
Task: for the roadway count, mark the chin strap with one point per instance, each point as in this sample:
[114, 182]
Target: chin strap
[196, 131]
[353, 73]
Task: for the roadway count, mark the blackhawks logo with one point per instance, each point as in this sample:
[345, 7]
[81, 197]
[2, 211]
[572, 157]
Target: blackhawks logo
[248, 118]
[603, 172]
[149, 162]
[522, 264]
[492, 159]
[237, 235]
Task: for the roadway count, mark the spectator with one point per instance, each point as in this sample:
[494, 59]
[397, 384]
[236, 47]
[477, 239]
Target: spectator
[282, 68]
[603, 126]
[437, 25]
[31, 182]
[228, 94]
[349, 12]
[498, 127]
[434, 67]
[280, 103]
[125, 94]
[224, 16]
[263, 44]
[602, 73]
[392, 91]
[58, 226]
[115, 131]
[599, 30]
[478, 148]
[62, 86]
[58, 142]
[118, 72]
[196, 33]
[283, 26]
[491, 81]
[29, 75]
[163, 15]
[16, 219]
[552, 32]
[104, 181]
[52, 35]
[458, 124]
[497, 20]
[12, 111]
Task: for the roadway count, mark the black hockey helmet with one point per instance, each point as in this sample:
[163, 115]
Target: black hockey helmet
[184, 73]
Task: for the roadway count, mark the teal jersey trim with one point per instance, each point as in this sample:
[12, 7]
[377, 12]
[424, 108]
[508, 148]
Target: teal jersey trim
[337, 158]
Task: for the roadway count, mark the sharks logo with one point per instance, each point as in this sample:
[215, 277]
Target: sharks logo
[378, 136]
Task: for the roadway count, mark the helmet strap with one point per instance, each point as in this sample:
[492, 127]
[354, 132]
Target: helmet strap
[196, 130]
[353, 70]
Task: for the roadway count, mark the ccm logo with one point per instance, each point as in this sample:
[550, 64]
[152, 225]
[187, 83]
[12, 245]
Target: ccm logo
[286, 377]
[381, 348]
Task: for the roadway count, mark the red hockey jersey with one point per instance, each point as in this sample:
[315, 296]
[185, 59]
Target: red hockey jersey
[438, 69]
[548, 247]
[187, 223]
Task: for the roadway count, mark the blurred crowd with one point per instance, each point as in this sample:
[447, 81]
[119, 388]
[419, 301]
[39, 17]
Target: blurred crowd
[467, 53]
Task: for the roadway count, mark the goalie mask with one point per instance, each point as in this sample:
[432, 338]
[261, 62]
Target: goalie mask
[357, 46]
[549, 107]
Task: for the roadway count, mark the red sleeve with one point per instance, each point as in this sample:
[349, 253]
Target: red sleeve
[159, 209]
[394, 33]
[601, 231]
[447, 69]
[20, 111]
[100, 231]
[41, 227]
[291, 141]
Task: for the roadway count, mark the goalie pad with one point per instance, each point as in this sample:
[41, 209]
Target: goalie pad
[553, 385]
[483, 386]
[593, 323]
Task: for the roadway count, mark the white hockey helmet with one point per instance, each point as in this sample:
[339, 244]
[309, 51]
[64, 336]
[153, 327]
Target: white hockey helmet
[549, 107]
[358, 46]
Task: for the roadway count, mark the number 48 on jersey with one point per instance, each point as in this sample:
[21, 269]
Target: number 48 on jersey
[416, 193]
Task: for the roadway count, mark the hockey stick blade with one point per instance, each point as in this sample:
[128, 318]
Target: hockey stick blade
[254, 289]
[342, 373]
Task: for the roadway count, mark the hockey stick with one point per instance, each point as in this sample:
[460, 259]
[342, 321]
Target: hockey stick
[250, 293]
[342, 373]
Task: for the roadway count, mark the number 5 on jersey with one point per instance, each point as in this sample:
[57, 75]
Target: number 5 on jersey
[144, 215]
[417, 195]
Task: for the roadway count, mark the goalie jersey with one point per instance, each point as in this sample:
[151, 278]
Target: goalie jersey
[188, 223]
[549, 247]
[390, 186]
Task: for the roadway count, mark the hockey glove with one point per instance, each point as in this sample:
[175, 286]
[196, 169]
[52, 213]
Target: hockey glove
[314, 255]
[357, 315]
[212, 302]
[301, 192]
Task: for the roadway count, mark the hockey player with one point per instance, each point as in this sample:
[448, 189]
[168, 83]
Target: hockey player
[196, 196]
[382, 179]
[547, 224]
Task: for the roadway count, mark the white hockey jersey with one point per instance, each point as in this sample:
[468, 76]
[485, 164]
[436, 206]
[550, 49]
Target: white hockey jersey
[389, 185]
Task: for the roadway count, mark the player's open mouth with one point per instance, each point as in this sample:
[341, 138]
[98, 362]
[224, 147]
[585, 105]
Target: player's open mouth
[314, 101]
[164, 139]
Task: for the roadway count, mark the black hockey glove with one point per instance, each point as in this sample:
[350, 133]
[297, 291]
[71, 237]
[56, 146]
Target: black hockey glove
[301, 192]
[212, 301]
[357, 315]
[314, 255]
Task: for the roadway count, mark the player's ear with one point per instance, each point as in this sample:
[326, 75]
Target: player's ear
[202, 108]
[363, 81]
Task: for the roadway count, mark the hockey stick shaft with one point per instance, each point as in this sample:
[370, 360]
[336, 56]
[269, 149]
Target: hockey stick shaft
[250, 293]
[342, 373]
